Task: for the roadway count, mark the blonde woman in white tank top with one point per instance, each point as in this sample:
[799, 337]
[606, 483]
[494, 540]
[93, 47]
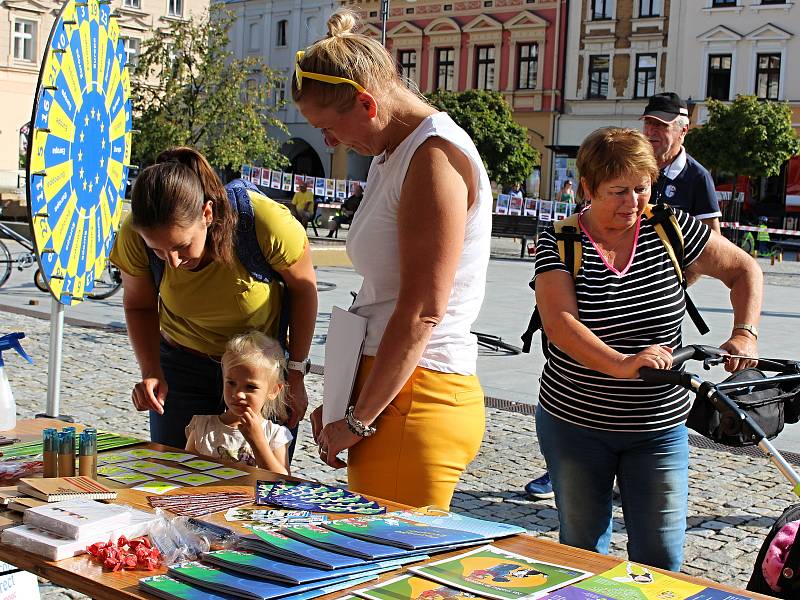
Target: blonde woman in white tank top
[421, 241]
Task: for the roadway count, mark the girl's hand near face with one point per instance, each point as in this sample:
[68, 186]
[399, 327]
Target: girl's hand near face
[252, 427]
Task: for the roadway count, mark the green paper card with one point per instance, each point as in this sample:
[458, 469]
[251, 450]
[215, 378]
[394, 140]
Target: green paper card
[164, 471]
[139, 465]
[142, 453]
[113, 457]
[128, 478]
[201, 465]
[195, 479]
[175, 456]
[226, 473]
[156, 487]
[109, 470]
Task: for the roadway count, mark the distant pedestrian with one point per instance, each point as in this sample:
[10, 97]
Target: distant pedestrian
[763, 237]
[303, 202]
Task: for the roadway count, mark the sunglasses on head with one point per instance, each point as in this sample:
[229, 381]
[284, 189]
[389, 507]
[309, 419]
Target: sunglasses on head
[299, 74]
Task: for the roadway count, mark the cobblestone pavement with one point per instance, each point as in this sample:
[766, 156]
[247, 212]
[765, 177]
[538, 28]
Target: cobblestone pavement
[733, 498]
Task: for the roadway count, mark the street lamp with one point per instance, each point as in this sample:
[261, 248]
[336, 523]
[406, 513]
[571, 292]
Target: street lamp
[385, 17]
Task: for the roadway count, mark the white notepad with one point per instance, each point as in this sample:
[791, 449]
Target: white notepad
[343, 348]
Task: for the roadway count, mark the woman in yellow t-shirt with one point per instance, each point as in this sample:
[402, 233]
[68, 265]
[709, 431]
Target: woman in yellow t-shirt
[180, 210]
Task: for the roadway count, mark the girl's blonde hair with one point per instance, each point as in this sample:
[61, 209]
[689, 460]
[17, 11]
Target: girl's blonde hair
[344, 53]
[258, 350]
[612, 152]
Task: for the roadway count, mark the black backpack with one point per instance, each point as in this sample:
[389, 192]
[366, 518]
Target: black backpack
[248, 250]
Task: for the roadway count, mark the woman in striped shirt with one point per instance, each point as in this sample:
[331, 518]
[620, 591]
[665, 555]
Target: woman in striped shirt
[595, 419]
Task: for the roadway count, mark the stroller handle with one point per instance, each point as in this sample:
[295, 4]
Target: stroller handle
[679, 356]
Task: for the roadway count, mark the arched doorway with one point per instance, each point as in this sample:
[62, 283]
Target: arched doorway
[304, 159]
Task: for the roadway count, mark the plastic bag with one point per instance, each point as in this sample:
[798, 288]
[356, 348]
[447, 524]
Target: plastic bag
[181, 539]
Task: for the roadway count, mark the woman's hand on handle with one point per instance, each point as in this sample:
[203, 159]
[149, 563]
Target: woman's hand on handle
[150, 393]
[655, 357]
[741, 343]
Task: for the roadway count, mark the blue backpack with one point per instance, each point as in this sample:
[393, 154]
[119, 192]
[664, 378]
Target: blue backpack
[248, 250]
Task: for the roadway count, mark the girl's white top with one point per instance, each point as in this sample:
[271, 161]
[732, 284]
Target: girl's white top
[372, 245]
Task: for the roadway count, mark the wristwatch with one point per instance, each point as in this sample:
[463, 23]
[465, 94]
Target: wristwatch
[356, 426]
[304, 366]
[748, 328]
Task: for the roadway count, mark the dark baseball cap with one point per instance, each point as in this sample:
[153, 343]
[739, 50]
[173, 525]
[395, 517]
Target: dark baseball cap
[665, 107]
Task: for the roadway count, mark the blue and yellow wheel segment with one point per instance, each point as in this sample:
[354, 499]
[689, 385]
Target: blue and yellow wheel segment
[79, 149]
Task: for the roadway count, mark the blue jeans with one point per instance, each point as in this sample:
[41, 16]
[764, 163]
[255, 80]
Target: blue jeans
[652, 470]
[195, 388]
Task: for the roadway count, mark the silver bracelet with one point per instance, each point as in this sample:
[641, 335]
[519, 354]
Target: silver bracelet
[356, 426]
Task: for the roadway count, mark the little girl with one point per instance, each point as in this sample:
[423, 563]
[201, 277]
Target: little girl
[254, 388]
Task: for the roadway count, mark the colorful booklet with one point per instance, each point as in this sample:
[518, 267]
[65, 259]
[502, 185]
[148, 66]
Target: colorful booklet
[342, 544]
[77, 518]
[164, 586]
[631, 580]
[496, 573]
[315, 497]
[448, 520]
[270, 568]
[245, 586]
[409, 587]
[401, 533]
[275, 517]
[277, 545]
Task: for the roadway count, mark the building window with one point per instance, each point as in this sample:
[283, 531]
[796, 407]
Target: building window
[407, 62]
[774, 1]
[447, 7]
[649, 8]
[254, 33]
[768, 76]
[601, 9]
[280, 33]
[24, 40]
[723, 3]
[175, 8]
[445, 69]
[484, 68]
[528, 61]
[598, 76]
[645, 75]
[409, 11]
[131, 46]
[718, 83]
[132, 4]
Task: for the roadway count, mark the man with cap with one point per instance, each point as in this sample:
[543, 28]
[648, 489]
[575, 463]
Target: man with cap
[684, 183]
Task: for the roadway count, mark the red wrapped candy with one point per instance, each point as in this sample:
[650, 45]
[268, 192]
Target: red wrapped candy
[128, 554]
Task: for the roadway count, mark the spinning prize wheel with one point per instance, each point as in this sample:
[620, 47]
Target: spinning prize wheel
[79, 148]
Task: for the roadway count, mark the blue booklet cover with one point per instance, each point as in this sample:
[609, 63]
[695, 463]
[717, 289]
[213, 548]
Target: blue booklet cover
[244, 586]
[449, 520]
[401, 533]
[269, 568]
[272, 543]
[337, 542]
[164, 586]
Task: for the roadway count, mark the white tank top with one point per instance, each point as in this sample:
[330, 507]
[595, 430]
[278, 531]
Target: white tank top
[372, 244]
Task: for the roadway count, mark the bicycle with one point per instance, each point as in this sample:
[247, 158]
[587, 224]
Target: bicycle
[105, 286]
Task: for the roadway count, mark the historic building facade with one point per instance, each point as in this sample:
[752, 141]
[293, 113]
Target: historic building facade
[618, 57]
[24, 30]
[515, 47]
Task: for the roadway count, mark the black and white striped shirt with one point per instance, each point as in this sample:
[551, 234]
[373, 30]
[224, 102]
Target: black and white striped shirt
[628, 311]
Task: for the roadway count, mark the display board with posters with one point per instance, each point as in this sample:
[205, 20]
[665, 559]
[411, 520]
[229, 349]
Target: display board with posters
[79, 149]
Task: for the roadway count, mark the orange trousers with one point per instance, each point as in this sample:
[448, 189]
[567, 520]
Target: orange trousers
[425, 439]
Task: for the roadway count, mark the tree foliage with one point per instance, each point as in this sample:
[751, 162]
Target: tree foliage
[501, 141]
[189, 89]
[748, 137]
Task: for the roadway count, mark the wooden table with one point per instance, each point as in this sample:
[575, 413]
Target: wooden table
[85, 576]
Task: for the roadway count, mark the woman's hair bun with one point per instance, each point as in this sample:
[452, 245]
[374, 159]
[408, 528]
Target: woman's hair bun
[342, 22]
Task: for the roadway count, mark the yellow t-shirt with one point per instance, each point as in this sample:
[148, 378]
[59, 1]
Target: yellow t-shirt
[204, 309]
[301, 199]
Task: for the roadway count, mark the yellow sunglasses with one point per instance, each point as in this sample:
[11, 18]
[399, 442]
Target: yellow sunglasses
[299, 74]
